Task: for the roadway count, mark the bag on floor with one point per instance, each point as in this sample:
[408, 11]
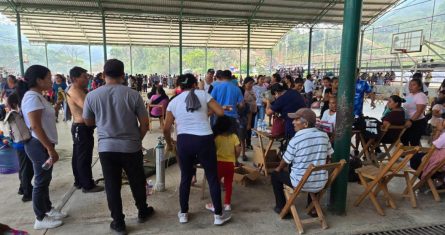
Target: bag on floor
[354, 163]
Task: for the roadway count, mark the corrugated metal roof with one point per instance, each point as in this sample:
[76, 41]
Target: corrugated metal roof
[220, 23]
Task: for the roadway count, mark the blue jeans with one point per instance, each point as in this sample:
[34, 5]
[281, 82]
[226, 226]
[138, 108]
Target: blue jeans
[42, 178]
[259, 115]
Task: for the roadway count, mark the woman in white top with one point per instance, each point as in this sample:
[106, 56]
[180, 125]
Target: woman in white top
[330, 115]
[415, 105]
[40, 118]
[190, 110]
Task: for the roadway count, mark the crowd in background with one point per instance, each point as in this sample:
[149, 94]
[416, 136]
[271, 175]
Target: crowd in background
[214, 119]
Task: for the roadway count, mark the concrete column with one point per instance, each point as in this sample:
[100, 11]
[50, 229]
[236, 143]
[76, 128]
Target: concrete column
[345, 99]
[19, 44]
[104, 36]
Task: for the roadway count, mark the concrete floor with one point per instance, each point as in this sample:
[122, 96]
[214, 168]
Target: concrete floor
[252, 205]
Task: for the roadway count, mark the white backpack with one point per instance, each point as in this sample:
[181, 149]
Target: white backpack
[18, 131]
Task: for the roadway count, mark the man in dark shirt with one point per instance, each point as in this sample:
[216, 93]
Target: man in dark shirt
[286, 101]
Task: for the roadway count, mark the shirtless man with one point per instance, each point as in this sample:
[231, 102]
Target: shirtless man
[83, 140]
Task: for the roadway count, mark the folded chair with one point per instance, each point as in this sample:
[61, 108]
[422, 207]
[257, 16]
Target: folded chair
[394, 143]
[291, 194]
[375, 179]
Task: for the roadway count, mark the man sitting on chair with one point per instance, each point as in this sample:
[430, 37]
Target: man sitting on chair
[308, 146]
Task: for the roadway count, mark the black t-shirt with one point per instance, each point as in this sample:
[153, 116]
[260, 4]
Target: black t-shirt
[396, 118]
[289, 102]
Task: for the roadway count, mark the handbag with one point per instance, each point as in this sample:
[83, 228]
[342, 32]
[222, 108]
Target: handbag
[277, 127]
[19, 132]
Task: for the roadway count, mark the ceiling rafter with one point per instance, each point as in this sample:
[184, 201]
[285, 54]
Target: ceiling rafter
[126, 30]
[37, 30]
[205, 23]
[211, 33]
[329, 6]
[80, 28]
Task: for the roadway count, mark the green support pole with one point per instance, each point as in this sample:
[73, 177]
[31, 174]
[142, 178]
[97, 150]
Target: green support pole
[104, 36]
[46, 54]
[180, 47]
[345, 98]
[310, 51]
[270, 65]
[240, 64]
[169, 62]
[205, 67]
[19, 41]
[248, 49]
[131, 60]
[89, 57]
[362, 36]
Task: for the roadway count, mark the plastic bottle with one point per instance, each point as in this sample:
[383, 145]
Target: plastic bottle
[259, 124]
[48, 164]
[149, 187]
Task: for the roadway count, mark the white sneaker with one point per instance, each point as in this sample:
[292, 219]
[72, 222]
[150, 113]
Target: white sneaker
[55, 214]
[183, 217]
[227, 207]
[222, 219]
[46, 223]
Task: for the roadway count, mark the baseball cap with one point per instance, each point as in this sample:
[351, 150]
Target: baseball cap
[114, 68]
[76, 71]
[305, 113]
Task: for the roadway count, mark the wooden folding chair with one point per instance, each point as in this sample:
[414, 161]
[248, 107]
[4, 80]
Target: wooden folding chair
[151, 119]
[369, 147]
[375, 179]
[427, 179]
[407, 171]
[291, 194]
[391, 146]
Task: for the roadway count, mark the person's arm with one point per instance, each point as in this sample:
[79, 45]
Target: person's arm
[420, 108]
[269, 110]
[281, 166]
[143, 125]
[215, 108]
[168, 123]
[201, 85]
[88, 114]
[237, 151]
[35, 119]
[240, 101]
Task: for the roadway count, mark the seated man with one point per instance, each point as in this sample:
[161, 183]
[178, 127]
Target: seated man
[308, 146]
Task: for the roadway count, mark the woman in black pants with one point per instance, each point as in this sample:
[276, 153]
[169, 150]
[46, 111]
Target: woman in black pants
[415, 105]
[190, 111]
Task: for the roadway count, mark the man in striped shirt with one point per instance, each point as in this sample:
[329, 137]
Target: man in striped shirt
[308, 146]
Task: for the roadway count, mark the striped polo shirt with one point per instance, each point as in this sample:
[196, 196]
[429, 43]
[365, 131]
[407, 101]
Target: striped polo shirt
[308, 146]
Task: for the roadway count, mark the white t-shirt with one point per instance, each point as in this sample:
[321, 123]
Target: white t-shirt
[192, 123]
[308, 86]
[412, 100]
[33, 101]
[329, 118]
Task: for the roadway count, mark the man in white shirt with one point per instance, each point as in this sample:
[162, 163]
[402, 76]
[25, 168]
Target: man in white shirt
[309, 89]
[308, 146]
[208, 80]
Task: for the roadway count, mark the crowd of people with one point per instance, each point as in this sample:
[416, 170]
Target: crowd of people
[212, 118]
